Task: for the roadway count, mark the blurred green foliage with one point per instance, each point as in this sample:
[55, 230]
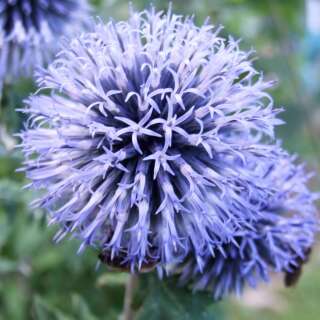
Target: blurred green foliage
[40, 280]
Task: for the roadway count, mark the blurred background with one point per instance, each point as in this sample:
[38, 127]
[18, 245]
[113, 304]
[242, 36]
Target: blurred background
[40, 280]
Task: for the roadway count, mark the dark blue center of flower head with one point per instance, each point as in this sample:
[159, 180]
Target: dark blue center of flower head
[166, 125]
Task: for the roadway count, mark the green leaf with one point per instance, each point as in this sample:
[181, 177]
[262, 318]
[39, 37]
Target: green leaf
[112, 279]
[42, 311]
[166, 301]
[81, 309]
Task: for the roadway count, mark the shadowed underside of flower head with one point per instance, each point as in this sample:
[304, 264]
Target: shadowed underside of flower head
[153, 142]
[278, 241]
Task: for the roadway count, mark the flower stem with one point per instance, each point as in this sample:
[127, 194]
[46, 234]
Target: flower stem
[128, 297]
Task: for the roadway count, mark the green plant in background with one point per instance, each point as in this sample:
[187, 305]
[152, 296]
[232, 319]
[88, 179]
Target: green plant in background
[43, 281]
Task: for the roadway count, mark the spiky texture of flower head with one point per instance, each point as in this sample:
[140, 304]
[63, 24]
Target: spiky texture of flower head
[29, 32]
[278, 241]
[143, 145]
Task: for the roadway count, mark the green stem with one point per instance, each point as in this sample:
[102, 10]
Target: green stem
[128, 297]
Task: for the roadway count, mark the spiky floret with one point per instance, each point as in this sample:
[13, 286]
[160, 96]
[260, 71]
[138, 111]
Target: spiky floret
[29, 30]
[144, 142]
[278, 241]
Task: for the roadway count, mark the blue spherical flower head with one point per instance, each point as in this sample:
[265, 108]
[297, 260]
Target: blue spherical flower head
[279, 240]
[29, 30]
[144, 142]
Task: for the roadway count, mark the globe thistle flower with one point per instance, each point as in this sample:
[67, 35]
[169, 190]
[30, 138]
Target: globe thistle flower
[29, 30]
[280, 240]
[144, 143]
